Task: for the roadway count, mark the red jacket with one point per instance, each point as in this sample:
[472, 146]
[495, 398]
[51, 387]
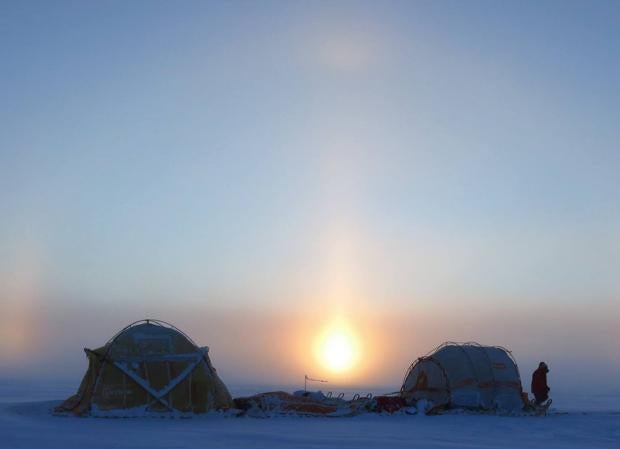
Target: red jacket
[540, 389]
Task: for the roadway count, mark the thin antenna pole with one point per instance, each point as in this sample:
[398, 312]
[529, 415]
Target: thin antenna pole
[307, 378]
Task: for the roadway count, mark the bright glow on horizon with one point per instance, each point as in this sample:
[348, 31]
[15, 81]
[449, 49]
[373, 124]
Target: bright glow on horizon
[338, 352]
[337, 349]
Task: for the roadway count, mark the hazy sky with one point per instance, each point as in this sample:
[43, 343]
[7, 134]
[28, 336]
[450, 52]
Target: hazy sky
[254, 171]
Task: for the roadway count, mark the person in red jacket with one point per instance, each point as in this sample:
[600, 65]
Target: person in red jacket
[540, 389]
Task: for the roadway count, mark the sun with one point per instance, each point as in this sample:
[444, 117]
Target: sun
[338, 350]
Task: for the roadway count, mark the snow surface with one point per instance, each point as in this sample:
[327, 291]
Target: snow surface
[26, 422]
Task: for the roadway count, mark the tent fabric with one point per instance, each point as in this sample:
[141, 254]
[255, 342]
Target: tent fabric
[465, 375]
[150, 366]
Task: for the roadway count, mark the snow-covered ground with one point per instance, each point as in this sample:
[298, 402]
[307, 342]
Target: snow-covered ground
[25, 422]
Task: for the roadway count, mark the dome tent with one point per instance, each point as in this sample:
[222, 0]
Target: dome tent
[149, 367]
[465, 375]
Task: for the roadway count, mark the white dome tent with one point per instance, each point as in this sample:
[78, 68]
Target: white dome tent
[466, 375]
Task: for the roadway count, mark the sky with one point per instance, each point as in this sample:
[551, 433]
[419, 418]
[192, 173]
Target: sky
[259, 173]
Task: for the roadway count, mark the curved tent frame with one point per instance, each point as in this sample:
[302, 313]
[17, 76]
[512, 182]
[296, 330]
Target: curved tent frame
[429, 354]
[150, 321]
[494, 383]
[134, 365]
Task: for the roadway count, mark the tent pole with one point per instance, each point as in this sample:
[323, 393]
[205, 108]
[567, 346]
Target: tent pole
[191, 407]
[169, 380]
[124, 390]
[146, 377]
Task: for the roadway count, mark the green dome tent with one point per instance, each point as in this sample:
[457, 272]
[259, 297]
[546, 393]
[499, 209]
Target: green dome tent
[149, 367]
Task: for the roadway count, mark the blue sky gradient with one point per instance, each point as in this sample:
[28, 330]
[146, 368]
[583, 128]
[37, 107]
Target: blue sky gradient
[376, 160]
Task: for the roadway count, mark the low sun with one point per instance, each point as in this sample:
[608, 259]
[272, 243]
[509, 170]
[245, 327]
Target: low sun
[338, 350]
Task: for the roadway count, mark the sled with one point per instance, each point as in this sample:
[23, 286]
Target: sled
[540, 409]
[281, 403]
